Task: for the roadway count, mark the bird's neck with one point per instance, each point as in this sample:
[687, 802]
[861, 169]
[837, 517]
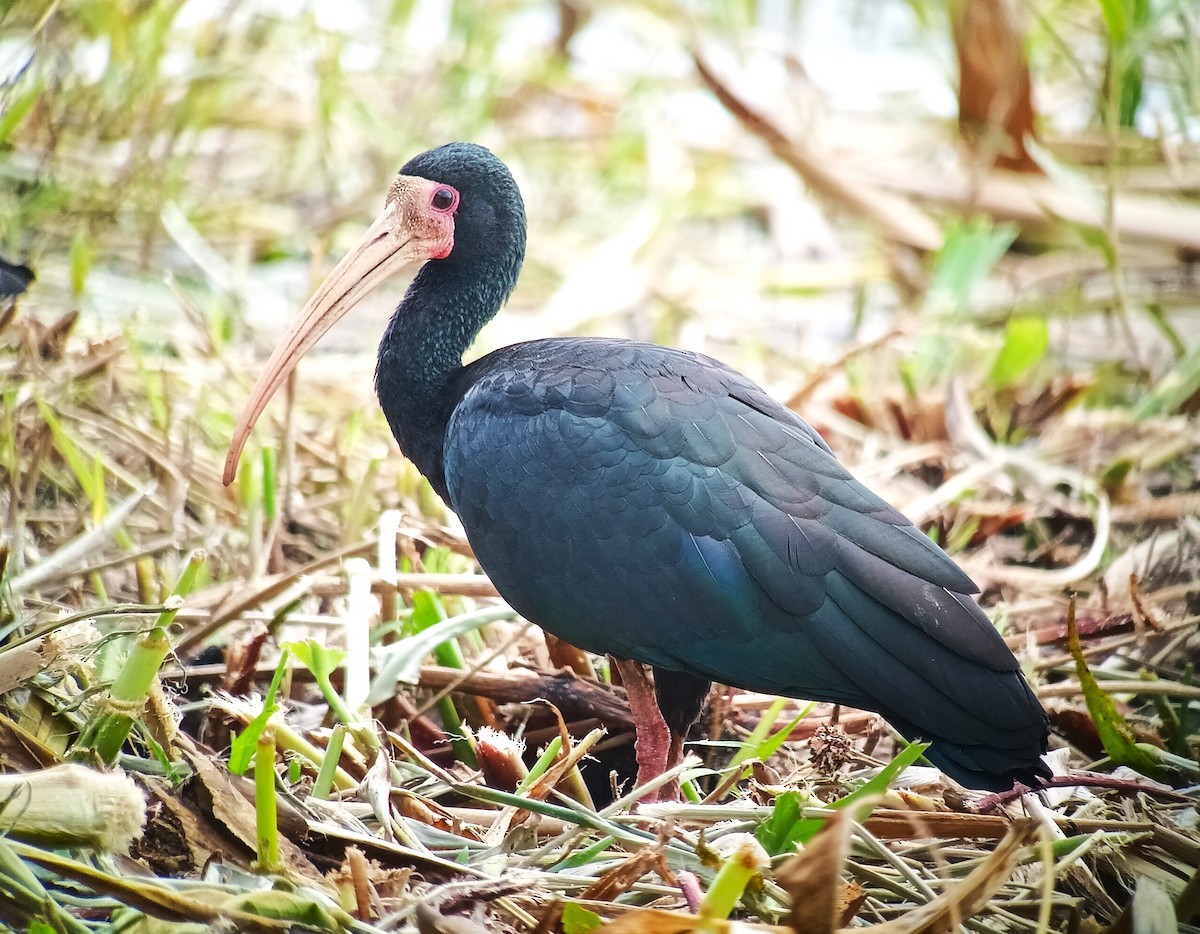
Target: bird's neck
[421, 353]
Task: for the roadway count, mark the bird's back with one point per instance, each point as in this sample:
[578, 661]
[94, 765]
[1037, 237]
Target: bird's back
[655, 504]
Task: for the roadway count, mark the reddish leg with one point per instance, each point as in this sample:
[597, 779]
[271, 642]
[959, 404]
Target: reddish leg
[655, 744]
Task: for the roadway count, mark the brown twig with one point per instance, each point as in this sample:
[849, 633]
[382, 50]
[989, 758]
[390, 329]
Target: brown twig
[899, 219]
[989, 803]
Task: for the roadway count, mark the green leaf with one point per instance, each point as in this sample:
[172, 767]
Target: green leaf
[428, 612]
[771, 745]
[1115, 732]
[968, 254]
[329, 762]
[70, 453]
[544, 761]
[758, 735]
[292, 906]
[582, 818]
[1175, 388]
[758, 744]
[270, 483]
[883, 781]
[241, 750]
[99, 492]
[153, 388]
[740, 866]
[1116, 474]
[17, 110]
[1116, 19]
[579, 920]
[248, 490]
[196, 562]
[1129, 24]
[787, 825]
[1159, 318]
[1078, 183]
[321, 660]
[401, 661]
[1132, 81]
[1026, 340]
[775, 833]
[81, 260]
[584, 856]
[266, 803]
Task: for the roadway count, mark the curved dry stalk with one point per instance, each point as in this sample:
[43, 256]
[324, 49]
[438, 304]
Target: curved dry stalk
[961, 422]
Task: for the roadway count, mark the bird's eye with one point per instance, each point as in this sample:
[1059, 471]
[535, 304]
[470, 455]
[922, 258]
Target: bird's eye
[443, 199]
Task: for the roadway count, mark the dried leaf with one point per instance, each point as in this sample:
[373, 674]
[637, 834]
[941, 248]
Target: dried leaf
[621, 877]
[849, 900]
[813, 878]
[22, 750]
[231, 808]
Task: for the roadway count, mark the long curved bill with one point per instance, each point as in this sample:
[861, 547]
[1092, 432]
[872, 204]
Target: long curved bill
[388, 246]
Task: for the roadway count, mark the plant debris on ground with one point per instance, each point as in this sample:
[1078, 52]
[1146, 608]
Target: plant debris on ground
[296, 703]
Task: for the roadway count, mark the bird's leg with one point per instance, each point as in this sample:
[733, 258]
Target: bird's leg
[670, 791]
[653, 737]
[680, 697]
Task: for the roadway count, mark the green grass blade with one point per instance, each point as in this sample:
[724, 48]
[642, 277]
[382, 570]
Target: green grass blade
[1115, 733]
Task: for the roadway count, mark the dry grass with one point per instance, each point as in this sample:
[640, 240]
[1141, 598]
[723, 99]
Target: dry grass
[1047, 461]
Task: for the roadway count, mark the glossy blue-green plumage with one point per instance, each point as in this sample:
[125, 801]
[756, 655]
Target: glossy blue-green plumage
[655, 504]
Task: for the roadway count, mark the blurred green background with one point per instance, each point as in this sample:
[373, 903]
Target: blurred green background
[175, 160]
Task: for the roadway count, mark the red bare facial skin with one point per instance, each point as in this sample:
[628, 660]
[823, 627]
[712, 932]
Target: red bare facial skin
[415, 226]
[428, 210]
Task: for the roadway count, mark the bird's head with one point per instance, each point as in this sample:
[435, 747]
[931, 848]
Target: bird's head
[490, 220]
[458, 182]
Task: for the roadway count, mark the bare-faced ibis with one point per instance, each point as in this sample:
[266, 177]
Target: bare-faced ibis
[656, 505]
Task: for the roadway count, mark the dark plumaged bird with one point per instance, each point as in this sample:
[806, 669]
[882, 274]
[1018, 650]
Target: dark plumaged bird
[14, 278]
[656, 505]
